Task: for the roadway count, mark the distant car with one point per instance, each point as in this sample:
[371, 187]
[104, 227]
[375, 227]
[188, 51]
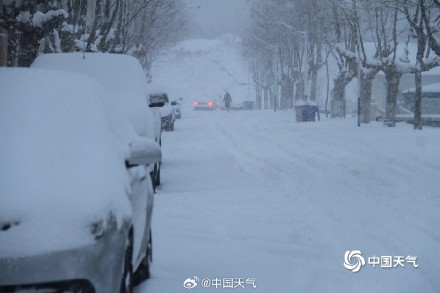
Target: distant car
[161, 101]
[177, 108]
[75, 204]
[204, 105]
[124, 82]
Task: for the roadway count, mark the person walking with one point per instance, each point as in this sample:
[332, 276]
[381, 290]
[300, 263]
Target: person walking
[227, 100]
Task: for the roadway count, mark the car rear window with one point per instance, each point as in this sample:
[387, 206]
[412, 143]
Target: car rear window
[158, 98]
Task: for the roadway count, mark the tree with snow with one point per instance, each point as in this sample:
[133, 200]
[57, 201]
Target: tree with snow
[139, 27]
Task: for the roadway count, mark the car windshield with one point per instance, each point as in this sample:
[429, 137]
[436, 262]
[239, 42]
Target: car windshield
[158, 99]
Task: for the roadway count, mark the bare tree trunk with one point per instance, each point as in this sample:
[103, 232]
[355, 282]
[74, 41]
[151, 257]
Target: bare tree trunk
[92, 36]
[314, 85]
[328, 86]
[289, 94]
[393, 80]
[340, 83]
[337, 109]
[300, 90]
[316, 65]
[418, 100]
[266, 98]
[3, 46]
[117, 39]
[365, 99]
[107, 26]
[421, 44]
[258, 90]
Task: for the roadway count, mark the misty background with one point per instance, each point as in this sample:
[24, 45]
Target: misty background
[211, 18]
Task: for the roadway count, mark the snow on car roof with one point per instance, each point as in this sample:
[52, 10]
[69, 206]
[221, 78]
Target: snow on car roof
[61, 169]
[156, 88]
[158, 93]
[121, 74]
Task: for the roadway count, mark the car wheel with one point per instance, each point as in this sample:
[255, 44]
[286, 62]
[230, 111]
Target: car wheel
[172, 127]
[158, 177]
[127, 276]
[143, 272]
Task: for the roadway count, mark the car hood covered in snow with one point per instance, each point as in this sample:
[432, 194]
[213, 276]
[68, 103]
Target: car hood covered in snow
[60, 165]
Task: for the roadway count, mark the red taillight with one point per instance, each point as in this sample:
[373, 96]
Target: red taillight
[209, 104]
[195, 104]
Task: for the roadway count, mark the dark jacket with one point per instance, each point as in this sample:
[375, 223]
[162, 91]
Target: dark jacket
[227, 99]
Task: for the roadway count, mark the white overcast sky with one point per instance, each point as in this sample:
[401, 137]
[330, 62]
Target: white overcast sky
[214, 17]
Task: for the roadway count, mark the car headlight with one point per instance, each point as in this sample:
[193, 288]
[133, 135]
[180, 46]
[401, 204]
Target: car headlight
[99, 228]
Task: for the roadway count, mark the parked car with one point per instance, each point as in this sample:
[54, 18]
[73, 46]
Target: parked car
[204, 105]
[75, 204]
[124, 81]
[123, 76]
[177, 108]
[160, 100]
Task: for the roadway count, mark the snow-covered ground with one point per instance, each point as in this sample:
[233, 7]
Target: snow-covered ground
[257, 195]
[253, 194]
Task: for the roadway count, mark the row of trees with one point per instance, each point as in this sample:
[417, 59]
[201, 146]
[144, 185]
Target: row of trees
[291, 41]
[137, 27]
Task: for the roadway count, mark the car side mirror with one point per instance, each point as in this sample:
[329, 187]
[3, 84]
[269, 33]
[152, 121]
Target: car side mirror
[143, 151]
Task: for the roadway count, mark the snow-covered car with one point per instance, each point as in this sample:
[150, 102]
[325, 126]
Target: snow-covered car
[204, 105]
[123, 76]
[71, 192]
[177, 108]
[125, 82]
[160, 100]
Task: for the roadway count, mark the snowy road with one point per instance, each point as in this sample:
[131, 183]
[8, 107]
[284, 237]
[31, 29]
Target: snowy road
[255, 195]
